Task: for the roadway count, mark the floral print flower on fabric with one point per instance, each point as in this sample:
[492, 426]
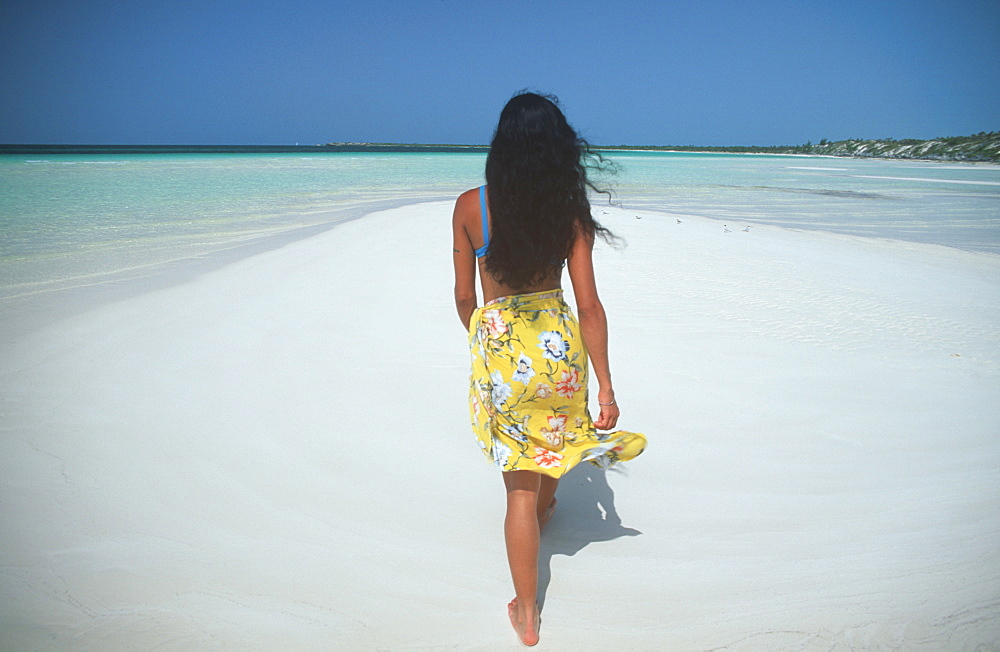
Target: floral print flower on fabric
[501, 390]
[501, 453]
[495, 325]
[547, 459]
[555, 431]
[524, 371]
[569, 384]
[515, 431]
[553, 346]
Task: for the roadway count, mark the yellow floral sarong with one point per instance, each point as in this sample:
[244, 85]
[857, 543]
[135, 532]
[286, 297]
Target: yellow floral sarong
[528, 395]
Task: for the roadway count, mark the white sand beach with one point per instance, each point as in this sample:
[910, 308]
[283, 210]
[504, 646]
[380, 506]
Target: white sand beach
[276, 455]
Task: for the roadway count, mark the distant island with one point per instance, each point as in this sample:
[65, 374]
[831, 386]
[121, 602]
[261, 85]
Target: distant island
[984, 146]
[404, 147]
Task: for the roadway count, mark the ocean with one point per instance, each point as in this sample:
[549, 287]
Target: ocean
[73, 217]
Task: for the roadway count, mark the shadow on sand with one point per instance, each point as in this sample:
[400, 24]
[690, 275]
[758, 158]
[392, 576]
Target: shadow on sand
[585, 514]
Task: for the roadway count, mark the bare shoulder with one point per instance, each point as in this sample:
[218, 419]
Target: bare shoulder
[466, 207]
[468, 201]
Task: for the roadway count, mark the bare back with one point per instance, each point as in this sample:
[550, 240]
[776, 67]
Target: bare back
[492, 289]
[468, 215]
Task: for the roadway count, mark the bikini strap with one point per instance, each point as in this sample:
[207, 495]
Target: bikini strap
[486, 225]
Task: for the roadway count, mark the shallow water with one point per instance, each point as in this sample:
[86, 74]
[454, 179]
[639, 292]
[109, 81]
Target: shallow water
[75, 219]
[950, 204]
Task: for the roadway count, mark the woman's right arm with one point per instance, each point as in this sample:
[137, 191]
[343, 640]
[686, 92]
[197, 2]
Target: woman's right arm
[464, 259]
[593, 325]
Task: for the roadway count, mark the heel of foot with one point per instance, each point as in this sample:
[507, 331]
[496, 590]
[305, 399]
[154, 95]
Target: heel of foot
[526, 630]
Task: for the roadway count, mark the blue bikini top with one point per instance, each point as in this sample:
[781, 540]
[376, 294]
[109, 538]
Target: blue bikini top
[486, 225]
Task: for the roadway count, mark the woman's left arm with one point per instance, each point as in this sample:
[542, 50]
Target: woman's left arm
[464, 259]
[593, 325]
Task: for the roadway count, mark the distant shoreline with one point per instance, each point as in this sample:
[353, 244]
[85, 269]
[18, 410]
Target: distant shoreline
[982, 148]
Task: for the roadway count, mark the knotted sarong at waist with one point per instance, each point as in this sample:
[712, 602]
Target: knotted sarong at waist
[528, 394]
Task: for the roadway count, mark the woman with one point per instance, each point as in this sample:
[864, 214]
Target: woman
[528, 398]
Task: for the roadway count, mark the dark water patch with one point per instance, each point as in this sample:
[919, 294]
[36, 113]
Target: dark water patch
[848, 194]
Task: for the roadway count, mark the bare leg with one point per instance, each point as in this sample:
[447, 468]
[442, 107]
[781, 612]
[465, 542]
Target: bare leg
[546, 499]
[521, 532]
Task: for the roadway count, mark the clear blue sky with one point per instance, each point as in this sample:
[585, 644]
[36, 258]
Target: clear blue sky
[693, 72]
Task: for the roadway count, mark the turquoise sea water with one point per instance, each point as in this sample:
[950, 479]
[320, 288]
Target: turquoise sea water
[75, 219]
[952, 204]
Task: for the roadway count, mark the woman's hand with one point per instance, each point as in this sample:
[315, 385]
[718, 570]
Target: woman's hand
[609, 411]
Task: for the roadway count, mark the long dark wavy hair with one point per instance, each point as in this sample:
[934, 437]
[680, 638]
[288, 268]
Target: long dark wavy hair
[537, 175]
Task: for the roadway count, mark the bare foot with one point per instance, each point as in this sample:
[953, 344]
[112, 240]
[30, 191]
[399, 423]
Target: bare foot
[549, 511]
[525, 623]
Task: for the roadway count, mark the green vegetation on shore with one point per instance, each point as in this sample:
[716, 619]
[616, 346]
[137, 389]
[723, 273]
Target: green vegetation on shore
[984, 146]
